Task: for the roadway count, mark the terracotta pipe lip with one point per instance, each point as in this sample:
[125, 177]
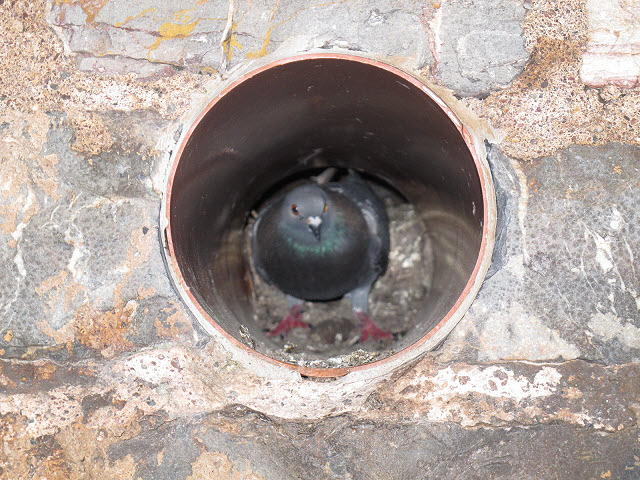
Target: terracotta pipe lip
[481, 261]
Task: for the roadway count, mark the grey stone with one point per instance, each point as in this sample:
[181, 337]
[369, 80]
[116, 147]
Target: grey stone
[583, 254]
[517, 393]
[92, 248]
[379, 451]
[86, 247]
[508, 420]
[150, 17]
[381, 28]
[103, 39]
[197, 50]
[122, 170]
[34, 259]
[256, 445]
[480, 45]
[100, 232]
[113, 65]
[68, 14]
[173, 440]
[166, 33]
[564, 283]
[357, 448]
[193, 37]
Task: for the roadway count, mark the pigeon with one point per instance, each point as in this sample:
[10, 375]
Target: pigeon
[321, 242]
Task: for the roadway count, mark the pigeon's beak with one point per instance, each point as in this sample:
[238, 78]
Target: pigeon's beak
[314, 225]
[315, 231]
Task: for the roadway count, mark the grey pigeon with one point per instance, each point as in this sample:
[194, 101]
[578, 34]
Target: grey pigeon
[321, 242]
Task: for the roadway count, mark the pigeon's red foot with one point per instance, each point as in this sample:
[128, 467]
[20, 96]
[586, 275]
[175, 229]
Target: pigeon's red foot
[294, 319]
[371, 329]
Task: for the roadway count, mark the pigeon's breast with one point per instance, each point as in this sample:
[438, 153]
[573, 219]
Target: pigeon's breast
[324, 269]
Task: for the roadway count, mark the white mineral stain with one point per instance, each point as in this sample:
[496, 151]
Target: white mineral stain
[609, 326]
[616, 220]
[494, 381]
[603, 250]
[514, 334]
[19, 262]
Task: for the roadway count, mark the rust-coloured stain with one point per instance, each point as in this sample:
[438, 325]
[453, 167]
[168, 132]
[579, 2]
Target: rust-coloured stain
[104, 331]
[91, 8]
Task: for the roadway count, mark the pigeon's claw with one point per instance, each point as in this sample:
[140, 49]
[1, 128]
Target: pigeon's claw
[371, 329]
[293, 320]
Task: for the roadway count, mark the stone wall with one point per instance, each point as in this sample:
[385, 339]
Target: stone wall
[103, 374]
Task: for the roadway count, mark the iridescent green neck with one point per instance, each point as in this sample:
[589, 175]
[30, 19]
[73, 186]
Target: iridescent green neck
[330, 241]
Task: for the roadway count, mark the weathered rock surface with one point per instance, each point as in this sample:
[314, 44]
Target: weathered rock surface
[119, 37]
[81, 255]
[474, 47]
[479, 46]
[180, 413]
[103, 374]
[568, 238]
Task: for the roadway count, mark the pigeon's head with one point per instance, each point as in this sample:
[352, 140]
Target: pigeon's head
[305, 208]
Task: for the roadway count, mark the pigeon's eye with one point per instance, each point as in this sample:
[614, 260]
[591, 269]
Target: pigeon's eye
[294, 209]
[326, 207]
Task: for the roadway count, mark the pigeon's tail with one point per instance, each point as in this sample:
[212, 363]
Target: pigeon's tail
[354, 176]
[326, 176]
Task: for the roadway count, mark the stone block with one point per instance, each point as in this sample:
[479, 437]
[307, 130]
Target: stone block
[479, 45]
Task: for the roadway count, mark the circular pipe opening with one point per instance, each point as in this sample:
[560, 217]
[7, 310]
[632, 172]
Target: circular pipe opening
[292, 119]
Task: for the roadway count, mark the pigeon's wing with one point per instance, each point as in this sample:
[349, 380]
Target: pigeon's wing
[380, 244]
[258, 239]
[375, 215]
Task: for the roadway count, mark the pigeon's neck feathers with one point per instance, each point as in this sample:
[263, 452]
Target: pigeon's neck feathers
[302, 241]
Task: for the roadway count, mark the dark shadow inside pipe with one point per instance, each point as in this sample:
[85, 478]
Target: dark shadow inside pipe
[290, 119]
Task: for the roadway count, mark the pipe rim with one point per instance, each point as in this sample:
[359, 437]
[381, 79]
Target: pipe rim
[407, 354]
